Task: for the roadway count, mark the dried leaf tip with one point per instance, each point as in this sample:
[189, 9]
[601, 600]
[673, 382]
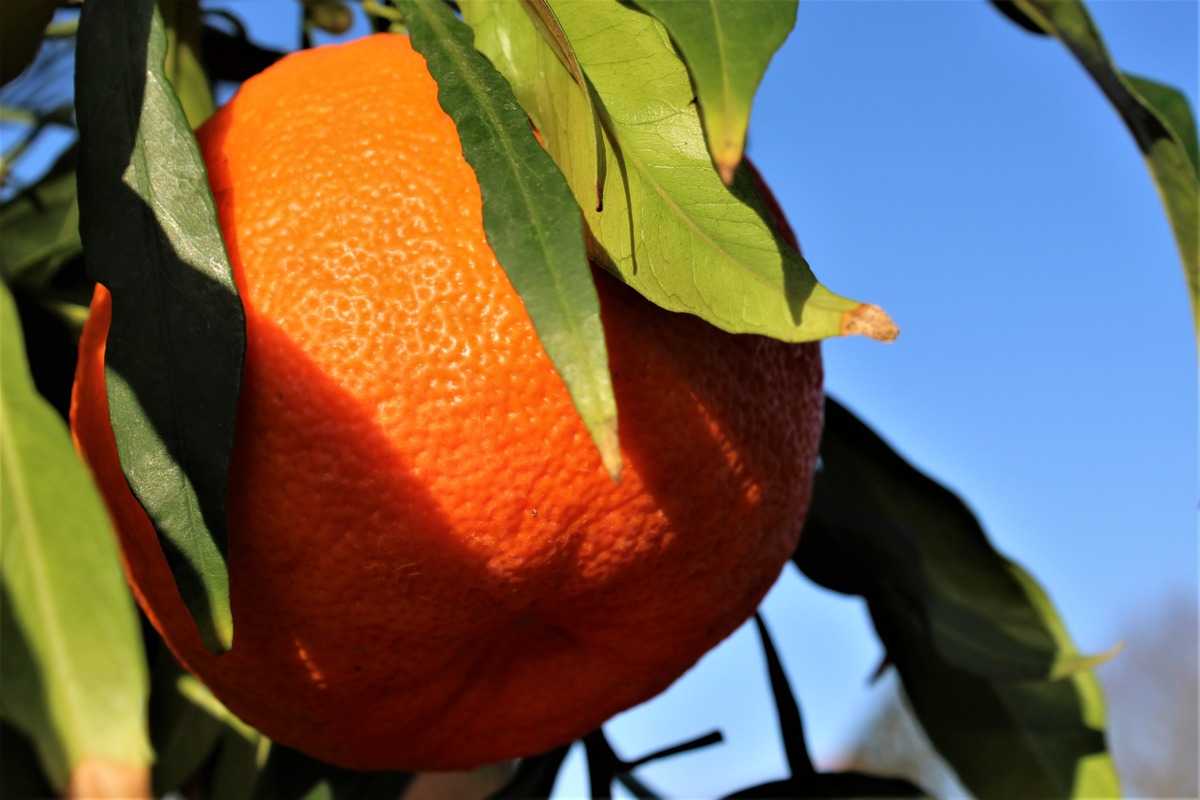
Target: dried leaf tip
[869, 320]
[98, 777]
[727, 163]
[607, 442]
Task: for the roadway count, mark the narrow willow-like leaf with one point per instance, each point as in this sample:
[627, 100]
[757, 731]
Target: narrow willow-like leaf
[535, 776]
[670, 228]
[181, 19]
[71, 665]
[173, 363]
[1173, 108]
[547, 23]
[804, 780]
[1157, 116]
[727, 45]
[531, 220]
[184, 733]
[40, 230]
[984, 658]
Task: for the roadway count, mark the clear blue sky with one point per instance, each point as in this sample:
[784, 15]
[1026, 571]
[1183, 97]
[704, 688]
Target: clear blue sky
[971, 179]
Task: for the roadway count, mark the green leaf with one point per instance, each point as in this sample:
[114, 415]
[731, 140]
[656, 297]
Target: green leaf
[546, 21]
[670, 228]
[184, 732]
[22, 25]
[40, 230]
[1173, 108]
[984, 658]
[531, 220]
[20, 773]
[1156, 115]
[242, 752]
[331, 16]
[240, 762]
[290, 775]
[727, 45]
[534, 776]
[804, 780]
[175, 348]
[71, 665]
[181, 20]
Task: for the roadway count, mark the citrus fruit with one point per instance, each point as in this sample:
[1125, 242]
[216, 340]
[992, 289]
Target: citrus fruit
[429, 566]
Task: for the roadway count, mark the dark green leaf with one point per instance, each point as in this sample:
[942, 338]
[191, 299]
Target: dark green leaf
[670, 228]
[177, 340]
[291, 775]
[707, 740]
[1009, 9]
[605, 767]
[40, 230]
[530, 218]
[242, 752]
[1156, 115]
[240, 762]
[72, 672]
[331, 16]
[185, 733]
[181, 20]
[22, 25]
[535, 776]
[805, 781]
[233, 57]
[791, 726]
[727, 45]
[1172, 106]
[985, 661]
[826, 785]
[20, 774]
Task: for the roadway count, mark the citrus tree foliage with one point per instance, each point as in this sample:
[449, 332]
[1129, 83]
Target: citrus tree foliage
[662, 200]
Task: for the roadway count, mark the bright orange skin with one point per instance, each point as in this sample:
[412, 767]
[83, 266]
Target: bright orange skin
[430, 567]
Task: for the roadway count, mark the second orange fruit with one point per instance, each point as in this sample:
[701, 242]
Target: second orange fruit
[430, 567]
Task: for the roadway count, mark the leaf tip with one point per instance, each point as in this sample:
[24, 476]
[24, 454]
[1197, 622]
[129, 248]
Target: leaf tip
[216, 630]
[604, 434]
[1080, 663]
[98, 777]
[868, 320]
[727, 164]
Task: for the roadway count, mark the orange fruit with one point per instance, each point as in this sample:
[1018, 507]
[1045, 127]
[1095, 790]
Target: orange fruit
[429, 566]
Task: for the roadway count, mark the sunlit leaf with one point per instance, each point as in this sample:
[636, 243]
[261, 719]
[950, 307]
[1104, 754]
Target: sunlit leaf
[530, 218]
[984, 658]
[71, 664]
[670, 228]
[173, 362]
[546, 21]
[1158, 117]
[727, 45]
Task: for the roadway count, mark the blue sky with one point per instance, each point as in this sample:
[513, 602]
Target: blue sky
[971, 179]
